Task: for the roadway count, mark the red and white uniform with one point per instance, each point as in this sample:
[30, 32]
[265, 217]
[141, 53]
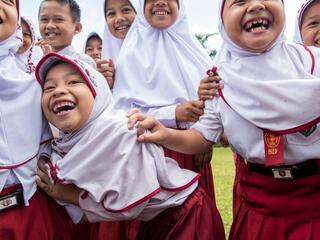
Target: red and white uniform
[121, 178]
[272, 92]
[24, 136]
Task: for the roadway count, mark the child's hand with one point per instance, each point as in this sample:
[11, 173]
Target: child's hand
[208, 88]
[202, 159]
[157, 132]
[46, 48]
[132, 120]
[68, 193]
[107, 69]
[189, 111]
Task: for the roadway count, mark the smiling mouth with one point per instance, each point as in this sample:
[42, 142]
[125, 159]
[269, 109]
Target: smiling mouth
[160, 12]
[257, 25]
[121, 28]
[63, 107]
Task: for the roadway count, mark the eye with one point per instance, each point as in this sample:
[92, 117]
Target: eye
[9, 2]
[127, 10]
[43, 19]
[74, 82]
[110, 13]
[48, 88]
[313, 23]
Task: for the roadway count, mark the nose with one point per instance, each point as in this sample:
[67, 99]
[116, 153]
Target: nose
[96, 52]
[50, 25]
[120, 18]
[256, 6]
[160, 3]
[59, 91]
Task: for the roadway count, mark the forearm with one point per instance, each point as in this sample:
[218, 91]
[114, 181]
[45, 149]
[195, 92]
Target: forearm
[187, 141]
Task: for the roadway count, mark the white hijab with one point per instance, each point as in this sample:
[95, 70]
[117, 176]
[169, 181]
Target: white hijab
[110, 44]
[297, 38]
[158, 68]
[273, 90]
[104, 157]
[28, 60]
[92, 34]
[20, 108]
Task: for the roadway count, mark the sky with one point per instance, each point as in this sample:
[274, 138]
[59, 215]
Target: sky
[202, 16]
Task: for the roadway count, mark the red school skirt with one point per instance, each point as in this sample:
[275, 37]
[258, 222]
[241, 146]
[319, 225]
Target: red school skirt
[277, 209]
[196, 219]
[43, 219]
[187, 161]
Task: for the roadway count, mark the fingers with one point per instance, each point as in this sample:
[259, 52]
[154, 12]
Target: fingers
[134, 118]
[42, 165]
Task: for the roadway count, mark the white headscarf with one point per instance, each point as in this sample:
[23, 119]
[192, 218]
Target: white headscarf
[158, 68]
[297, 31]
[273, 90]
[110, 44]
[104, 157]
[29, 59]
[20, 107]
[92, 34]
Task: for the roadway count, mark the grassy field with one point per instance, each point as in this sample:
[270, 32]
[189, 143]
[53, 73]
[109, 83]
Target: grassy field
[223, 171]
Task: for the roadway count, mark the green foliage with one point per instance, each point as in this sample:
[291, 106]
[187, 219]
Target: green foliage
[223, 171]
[203, 39]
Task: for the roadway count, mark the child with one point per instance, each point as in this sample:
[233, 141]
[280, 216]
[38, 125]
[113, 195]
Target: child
[267, 119]
[93, 46]
[308, 24]
[28, 54]
[105, 171]
[168, 62]
[59, 22]
[119, 15]
[26, 213]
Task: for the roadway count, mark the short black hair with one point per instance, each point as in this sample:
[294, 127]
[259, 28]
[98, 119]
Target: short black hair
[73, 5]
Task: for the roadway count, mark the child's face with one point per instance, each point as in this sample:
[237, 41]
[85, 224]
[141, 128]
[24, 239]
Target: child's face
[8, 18]
[310, 25]
[254, 25]
[119, 16]
[161, 14]
[56, 25]
[27, 38]
[67, 100]
[94, 48]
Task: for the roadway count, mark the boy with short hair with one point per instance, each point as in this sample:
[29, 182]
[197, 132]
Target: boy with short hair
[59, 22]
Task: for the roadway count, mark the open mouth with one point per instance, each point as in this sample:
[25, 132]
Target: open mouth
[257, 25]
[63, 107]
[1, 21]
[123, 27]
[51, 34]
[160, 12]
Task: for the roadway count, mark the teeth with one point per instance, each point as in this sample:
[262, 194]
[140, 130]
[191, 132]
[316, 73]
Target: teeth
[257, 25]
[51, 34]
[61, 104]
[161, 13]
[122, 27]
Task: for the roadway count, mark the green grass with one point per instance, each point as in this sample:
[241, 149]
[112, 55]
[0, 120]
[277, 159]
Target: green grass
[223, 172]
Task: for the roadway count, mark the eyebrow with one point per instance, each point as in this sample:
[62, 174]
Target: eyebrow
[66, 75]
[123, 5]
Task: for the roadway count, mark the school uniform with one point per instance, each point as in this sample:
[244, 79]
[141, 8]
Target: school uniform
[121, 178]
[25, 212]
[168, 66]
[275, 133]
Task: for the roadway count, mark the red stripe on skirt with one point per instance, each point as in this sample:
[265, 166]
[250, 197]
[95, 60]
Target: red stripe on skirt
[277, 209]
[197, 218]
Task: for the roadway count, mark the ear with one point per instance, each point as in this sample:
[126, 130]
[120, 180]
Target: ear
[78, 28]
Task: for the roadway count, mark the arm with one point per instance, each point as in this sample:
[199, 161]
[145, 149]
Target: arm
[187, 141]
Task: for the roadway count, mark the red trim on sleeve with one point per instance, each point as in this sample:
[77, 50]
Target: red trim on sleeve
[312, 58]
[18, 165]
[182, 187]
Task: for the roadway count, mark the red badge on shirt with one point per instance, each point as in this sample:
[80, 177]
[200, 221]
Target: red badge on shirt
[273, 145]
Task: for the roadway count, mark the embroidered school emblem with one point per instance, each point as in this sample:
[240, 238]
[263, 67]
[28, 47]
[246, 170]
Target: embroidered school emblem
[272, 140]
[273, 146]
[309, 131]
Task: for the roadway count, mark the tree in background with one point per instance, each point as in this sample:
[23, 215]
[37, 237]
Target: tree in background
[203, 39]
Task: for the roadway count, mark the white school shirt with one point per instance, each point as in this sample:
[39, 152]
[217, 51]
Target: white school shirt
[247, 139]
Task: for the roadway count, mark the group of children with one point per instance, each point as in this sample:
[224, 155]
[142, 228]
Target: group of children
[131, 155]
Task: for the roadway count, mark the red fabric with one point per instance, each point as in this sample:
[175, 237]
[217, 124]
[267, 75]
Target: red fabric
[43, 219]
[277, 209]
[197, 218]
[187, 161]
[124, 230]
[236, 191]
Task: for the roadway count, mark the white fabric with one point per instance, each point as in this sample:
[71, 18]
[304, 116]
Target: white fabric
[71, 52]
[159, 68]
[297, 31]
[110, 44]
[21, 120]
[28, 60]
[273, 90]
[105, 159]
